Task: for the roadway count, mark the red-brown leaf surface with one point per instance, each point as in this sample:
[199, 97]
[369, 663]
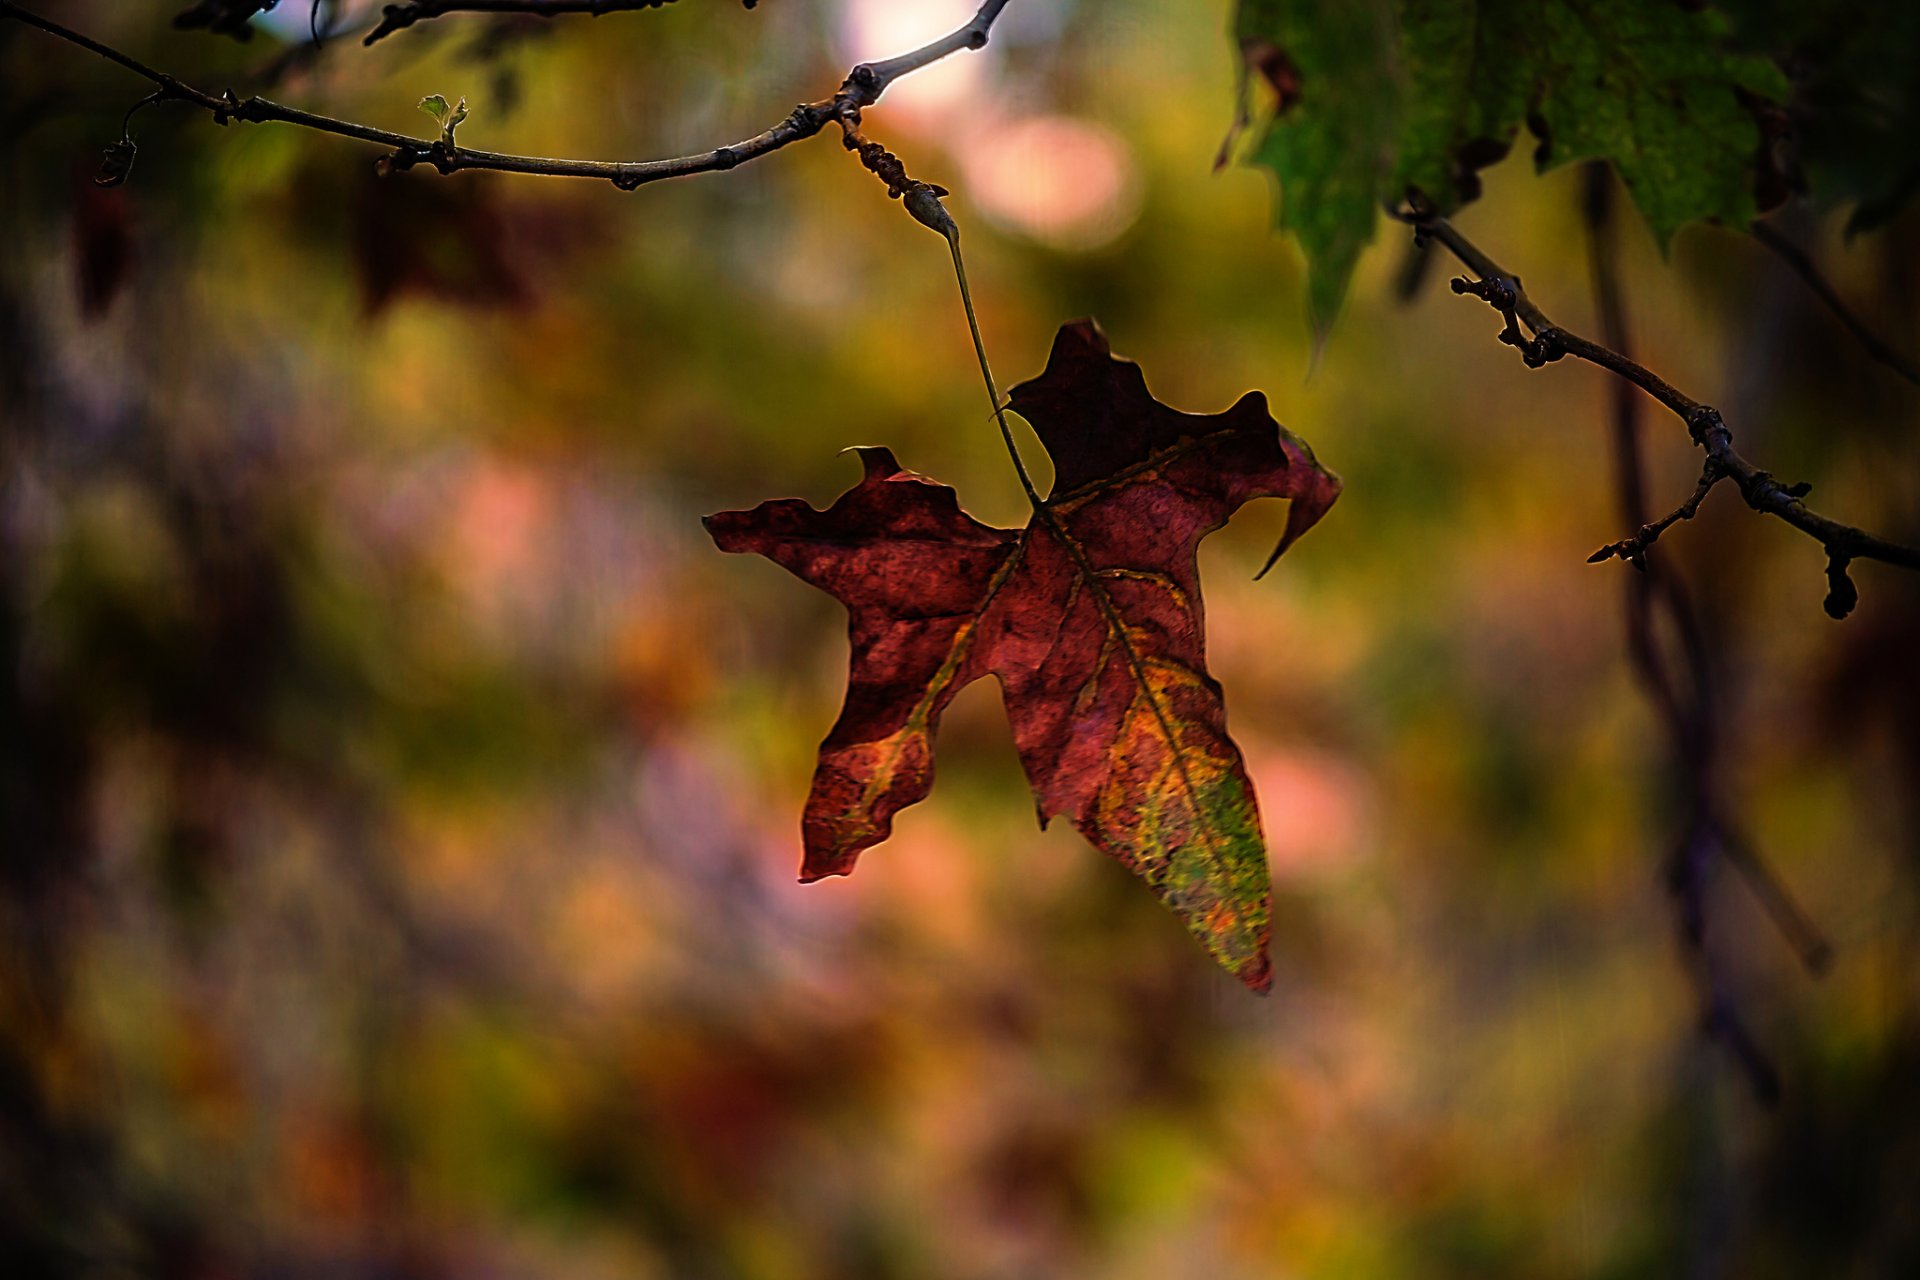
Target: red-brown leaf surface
[1090, 618]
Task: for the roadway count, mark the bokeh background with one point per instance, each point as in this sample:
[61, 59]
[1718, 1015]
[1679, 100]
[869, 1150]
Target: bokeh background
[402, 794]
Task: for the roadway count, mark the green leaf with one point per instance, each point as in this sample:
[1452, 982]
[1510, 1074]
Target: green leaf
[1333, 147]
[449, 117]
[1383, 97]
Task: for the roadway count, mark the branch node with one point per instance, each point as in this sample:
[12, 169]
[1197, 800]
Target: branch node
[1766, 494]
[1503, 294]
[1498, 292]
[1707, 428]
[1842, 595]
[1547, 346]
[879, 161]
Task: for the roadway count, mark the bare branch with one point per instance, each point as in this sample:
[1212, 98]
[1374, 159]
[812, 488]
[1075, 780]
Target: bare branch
[972, 35]
[1502, 290]
[862, 88]
[1796, 257]
[1634, 549]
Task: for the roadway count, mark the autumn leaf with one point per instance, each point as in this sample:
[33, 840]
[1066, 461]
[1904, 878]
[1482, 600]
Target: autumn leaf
[1090, 618]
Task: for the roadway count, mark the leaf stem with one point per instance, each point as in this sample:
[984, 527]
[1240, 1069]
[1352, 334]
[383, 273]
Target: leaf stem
[943, 223]
[923, 202]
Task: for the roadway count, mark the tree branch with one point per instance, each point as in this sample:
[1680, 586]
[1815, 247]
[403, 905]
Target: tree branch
[1502, 290]
[222, 17]
[862, 88]
[972, 35]
[398, 17]
[1803, 266]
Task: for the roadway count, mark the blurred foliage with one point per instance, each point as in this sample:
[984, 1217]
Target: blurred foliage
[1854, 103]
[401, 794]
[1378, 101]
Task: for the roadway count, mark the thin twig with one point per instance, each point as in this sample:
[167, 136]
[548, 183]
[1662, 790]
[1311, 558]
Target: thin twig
[1722, 1022]
[1633, 549]
[1797, 258]
[222, 17]
[1502, 289]
[398, 17]
[1788, 916]
[972, 35]
[862, 88]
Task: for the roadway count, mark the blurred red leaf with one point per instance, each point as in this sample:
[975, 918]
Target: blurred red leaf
[1090, 618]
[442, 240]
[103, 255]
[467, 243]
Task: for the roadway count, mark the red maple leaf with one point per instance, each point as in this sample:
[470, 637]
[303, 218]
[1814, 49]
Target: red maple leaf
[1090, 618]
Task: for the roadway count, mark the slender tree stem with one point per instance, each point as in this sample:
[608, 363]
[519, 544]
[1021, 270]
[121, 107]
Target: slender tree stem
[862, 88]
[1803, 266]
[398, 17]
